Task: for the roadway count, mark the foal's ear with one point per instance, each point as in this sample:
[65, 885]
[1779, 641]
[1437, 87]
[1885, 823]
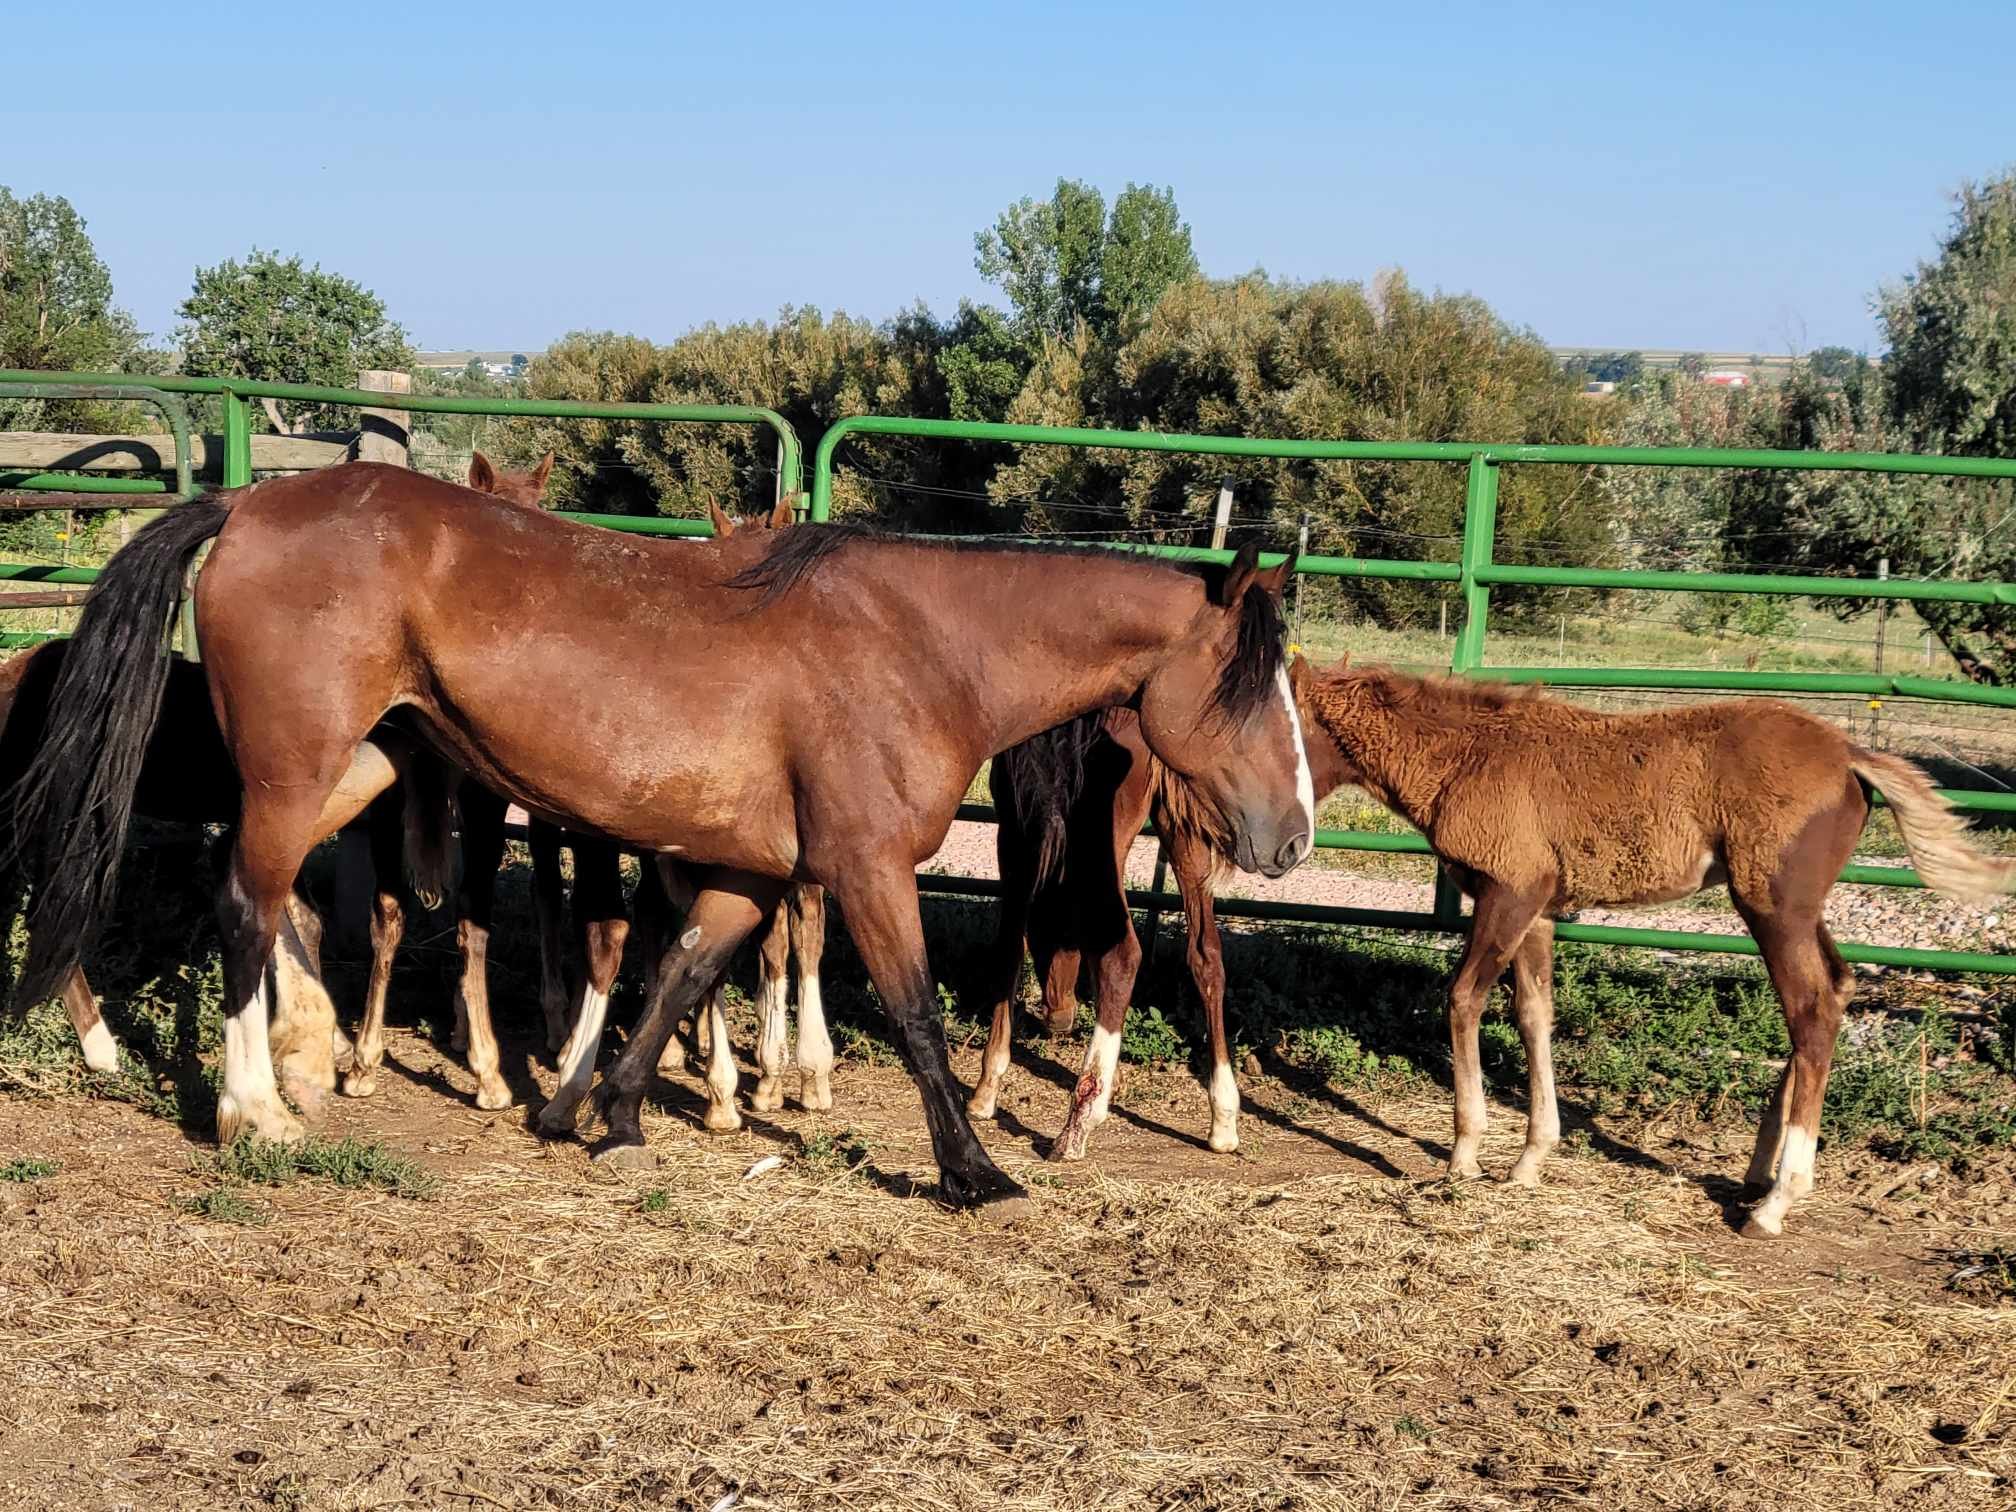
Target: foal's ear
[1300, 673]
[723, 526]
[784, 514]
[541, 473]
[482, 476]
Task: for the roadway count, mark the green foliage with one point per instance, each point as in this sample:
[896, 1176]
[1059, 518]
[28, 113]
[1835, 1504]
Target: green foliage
[279, 320]
[657, 1200]
[226, 1205]
[27, 1168]
[1837, 363]
[1609, 367]
[56, 310]
[833, 1154]
[348, 1162]
[1251, 357]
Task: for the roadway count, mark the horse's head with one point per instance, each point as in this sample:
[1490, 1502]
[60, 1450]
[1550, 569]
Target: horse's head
[526, 488]
[726, 524]
[1220, 714]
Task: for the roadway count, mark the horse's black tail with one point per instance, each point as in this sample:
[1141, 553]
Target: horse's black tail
[1045, 777]
[72, 804]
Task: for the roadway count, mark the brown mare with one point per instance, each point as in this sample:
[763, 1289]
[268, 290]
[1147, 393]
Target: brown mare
[621, 687]
[1539, 807]
[1064, 889]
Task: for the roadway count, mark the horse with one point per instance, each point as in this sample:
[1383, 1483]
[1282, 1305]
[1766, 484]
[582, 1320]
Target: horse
[1539, 807]
[616, 686]
[1064, 889]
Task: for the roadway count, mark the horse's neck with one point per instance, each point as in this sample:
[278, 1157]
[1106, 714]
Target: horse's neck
[1059, 636]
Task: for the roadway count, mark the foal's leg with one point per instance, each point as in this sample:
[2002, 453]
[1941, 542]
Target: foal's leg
[722, 1116]
[598, 905]
[1500, 922]
[773, 1029]
[482, 853]
[1813, 985]
[1533, 1005]
[303, 1029]
[386, 820]
[650, 937]
[1107, 929]
[1192, 862]
[807, 902]
[548, 904]
[101, 1051]
[728, 906]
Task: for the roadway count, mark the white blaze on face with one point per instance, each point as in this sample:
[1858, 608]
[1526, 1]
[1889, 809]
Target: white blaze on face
[1305, 785]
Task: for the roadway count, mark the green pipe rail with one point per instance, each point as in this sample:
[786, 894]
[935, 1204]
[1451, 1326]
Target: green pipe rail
[19, 385]
[233, 394]
[1475, 573]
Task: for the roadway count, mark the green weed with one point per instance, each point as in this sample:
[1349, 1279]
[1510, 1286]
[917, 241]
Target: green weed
[347, 1162]
[27, 1168]
[833, 1154]
[225, 1205]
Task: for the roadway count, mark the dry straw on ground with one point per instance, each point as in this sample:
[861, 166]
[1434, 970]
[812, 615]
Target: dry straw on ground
[1290, 1329]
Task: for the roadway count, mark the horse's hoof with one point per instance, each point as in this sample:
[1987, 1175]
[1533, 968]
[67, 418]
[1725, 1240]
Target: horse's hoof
[556, 1121]
[766, 1099]
[815, 1095]
[1763, 1226]
[997, 1201]
[1525, 1175]
[1463, 1170]
[1070, 1145]
[359, 1083]
[1005, 1212]
[623, 1155]
[491, 1096]
[980, 1105]
[721, 1119]
[1224, 1141]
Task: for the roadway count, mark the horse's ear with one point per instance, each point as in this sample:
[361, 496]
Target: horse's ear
[1276, 579]
[482, 476]
[1300, 673]
[785, 512]
[1239, 576]
[541, 473]
[723, 526]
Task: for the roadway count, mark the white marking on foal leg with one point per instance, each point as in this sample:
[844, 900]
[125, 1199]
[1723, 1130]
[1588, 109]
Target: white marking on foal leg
[1795, 1180]
[303, 1036]
[250, 1102]
[1305, 786]
[721, 1117]
[101, 1051]
[815, 1048]
[1092, 1097]
[1770, 1136]
[577, 1064]
[773, 1032]
[1224, 1109]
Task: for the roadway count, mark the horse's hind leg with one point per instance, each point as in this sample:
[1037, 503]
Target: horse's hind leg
[1533, 1006]
[547, 905]
[1110, 932]
[807, 903]
[1502, 919]
[1813, 986]
[476, 898]
[598, 904]
[773, 984]
[386, 820]
[1004, 968]
[101, 1051]
[273, 838]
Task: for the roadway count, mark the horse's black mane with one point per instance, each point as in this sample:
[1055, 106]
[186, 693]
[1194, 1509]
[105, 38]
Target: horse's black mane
[1244, 684]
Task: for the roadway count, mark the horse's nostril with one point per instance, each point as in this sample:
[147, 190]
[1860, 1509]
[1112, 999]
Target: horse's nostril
[1292, 853]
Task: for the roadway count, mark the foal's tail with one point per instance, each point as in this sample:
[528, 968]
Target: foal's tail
[1934, 831]
[72, 804]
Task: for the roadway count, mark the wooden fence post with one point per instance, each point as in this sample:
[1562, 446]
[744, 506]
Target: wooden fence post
[383, 436]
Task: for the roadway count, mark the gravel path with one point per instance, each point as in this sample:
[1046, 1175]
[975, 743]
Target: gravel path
[1895, 916]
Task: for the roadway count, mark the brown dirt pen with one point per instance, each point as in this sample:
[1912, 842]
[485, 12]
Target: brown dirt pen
[1319, 1322]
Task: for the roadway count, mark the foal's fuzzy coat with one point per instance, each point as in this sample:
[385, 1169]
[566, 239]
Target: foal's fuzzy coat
[1539, 807]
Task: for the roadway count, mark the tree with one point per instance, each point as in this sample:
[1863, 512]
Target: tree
[56, 310]
[1609, 367]
[274, 319]
[1063, 260]
[1836, 363]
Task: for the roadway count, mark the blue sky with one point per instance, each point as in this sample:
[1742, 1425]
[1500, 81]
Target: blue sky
[1706, 175]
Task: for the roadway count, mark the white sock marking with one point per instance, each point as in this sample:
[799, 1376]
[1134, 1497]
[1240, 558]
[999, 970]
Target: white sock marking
[101, 1051]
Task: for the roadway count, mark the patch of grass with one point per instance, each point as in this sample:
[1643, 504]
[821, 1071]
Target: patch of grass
[27, 1168]
[833, 1154]
[1413, 1427]
[225, 1204]
[657, 1200]
[347, 1162]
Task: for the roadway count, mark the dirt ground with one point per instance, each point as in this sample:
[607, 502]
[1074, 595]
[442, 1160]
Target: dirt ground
[1315, 1322]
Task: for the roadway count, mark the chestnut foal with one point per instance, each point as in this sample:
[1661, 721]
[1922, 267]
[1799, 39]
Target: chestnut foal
[1540, 807]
